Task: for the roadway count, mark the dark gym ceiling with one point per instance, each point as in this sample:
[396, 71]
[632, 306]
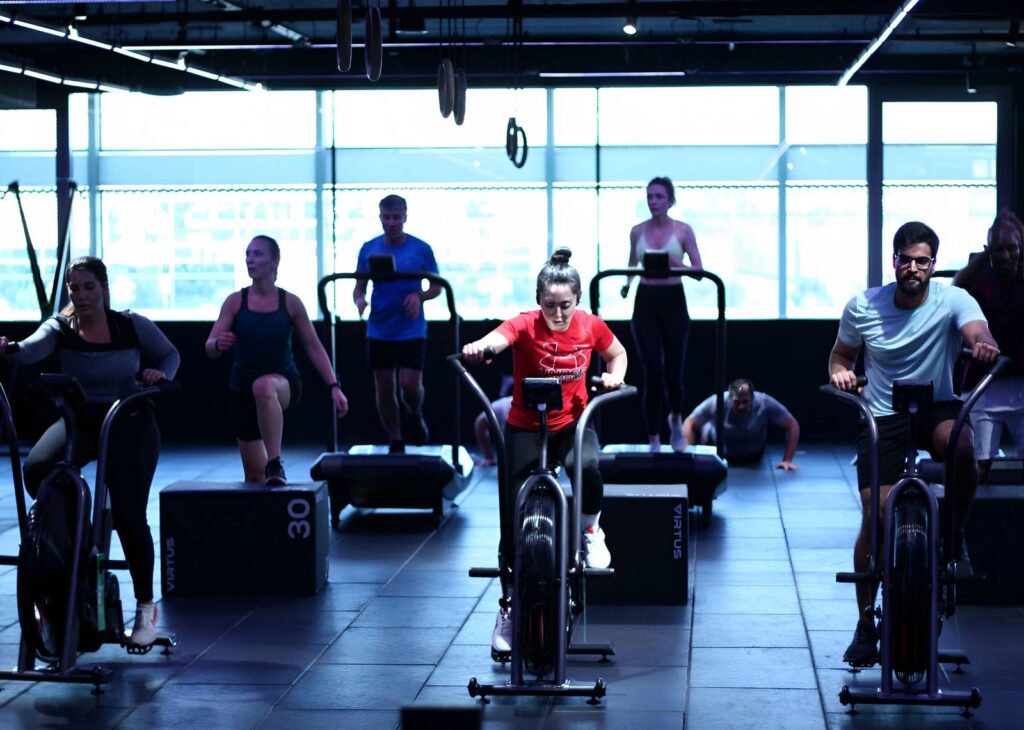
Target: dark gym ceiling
[291, 44]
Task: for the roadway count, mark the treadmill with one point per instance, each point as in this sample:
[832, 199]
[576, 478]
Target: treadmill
[701, 468]
[366, 475]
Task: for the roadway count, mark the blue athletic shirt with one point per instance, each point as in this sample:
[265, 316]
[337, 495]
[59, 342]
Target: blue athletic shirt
[387, 319]
[918, 344]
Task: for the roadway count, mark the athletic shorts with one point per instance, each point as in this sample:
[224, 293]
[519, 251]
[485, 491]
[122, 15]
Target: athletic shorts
[406, 354]
[892, 441]
[243, 409]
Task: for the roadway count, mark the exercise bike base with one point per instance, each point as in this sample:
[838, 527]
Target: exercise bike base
[95, 676]
[952, 698]
[594, 691]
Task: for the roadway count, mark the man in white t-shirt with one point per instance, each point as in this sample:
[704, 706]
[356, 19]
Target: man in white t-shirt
[910, 329]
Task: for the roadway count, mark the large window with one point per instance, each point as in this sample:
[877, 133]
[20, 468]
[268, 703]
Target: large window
[488, 242]
[772, 180]
[176, 254]
[940, 168]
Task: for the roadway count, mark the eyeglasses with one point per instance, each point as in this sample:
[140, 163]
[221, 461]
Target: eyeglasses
[903, 261]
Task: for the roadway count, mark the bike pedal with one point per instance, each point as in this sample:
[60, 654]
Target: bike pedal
[504, 657]
[138, 650]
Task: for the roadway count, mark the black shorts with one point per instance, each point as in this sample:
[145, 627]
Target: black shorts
[243, 409]
[892, 441]
[407, 354]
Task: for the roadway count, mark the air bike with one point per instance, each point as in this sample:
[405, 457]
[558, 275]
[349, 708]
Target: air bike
[68, 599]
[701, 468]
[369, 477]
[915, 569]
[545, 568]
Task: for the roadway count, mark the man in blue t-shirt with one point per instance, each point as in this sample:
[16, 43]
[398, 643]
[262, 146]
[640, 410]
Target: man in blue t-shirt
[396, 332]
[747, 415]
[910, 330]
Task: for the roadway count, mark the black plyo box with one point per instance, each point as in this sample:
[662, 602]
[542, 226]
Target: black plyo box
[231, 539]
[646, 529]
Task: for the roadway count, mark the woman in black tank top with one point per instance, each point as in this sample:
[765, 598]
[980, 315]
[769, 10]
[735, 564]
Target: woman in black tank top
[257, 324]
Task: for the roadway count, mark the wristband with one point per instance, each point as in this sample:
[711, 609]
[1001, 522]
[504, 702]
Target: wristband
[335, 384]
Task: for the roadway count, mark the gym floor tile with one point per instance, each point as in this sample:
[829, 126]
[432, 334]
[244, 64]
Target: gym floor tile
[640, 645]
[822, 537]
[821, 560]
[633, 688]
[745, 668]
[748, 630]
[743, 572]
[283, 719]
[249, 663]
[274, 624]
[403, 611]
[754, 709]
[830, 614]
[742, 548]
[743, 527]
[844, 518]
[340, 594]
[437, 583]
[827, 647]
[191, 706]
[823, 586]
[20, 714]
[356, 687]
[389, 646]
[613, 720]
[746, 599]
[463, 661]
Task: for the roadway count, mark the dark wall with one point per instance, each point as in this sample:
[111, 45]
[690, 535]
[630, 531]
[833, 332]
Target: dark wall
[785, 358]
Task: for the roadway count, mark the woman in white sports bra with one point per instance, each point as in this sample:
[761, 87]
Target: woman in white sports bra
[661, 322]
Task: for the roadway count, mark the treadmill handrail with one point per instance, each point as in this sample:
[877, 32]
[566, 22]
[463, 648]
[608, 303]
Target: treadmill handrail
[453, 318]
[698, 274]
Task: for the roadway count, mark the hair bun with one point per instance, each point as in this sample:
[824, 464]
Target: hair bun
[560, 257]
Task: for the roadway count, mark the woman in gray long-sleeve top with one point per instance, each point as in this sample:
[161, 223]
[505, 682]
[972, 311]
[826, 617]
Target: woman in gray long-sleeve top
[105, 351]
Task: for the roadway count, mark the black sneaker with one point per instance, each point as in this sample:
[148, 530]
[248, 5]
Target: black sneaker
[274, 473]
[863, 650]
[417, 427]
[396, 447]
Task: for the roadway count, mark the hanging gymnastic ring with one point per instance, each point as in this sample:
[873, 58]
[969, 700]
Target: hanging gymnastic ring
[446, 87]
[374, 49]
[460, 96]
[344, 35]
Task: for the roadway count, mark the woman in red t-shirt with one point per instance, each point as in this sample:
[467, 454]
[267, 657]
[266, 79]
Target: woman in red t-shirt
[555, 341]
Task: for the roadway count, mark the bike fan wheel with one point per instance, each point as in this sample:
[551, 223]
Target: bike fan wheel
[44, 574]
[538, 585]
[911, 592]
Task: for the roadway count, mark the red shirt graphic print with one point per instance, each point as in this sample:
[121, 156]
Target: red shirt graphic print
[540, 352]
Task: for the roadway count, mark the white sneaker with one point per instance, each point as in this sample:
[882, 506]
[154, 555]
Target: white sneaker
[676, 437]
[654, 444]
[594, 550]
[501, 637]
[144, 629]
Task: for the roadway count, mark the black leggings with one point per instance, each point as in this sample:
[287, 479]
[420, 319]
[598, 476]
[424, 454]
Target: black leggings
[133, 453]
[661, 329]
[523, 449]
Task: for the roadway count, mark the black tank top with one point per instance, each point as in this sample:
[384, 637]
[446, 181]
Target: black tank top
[263, 343]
